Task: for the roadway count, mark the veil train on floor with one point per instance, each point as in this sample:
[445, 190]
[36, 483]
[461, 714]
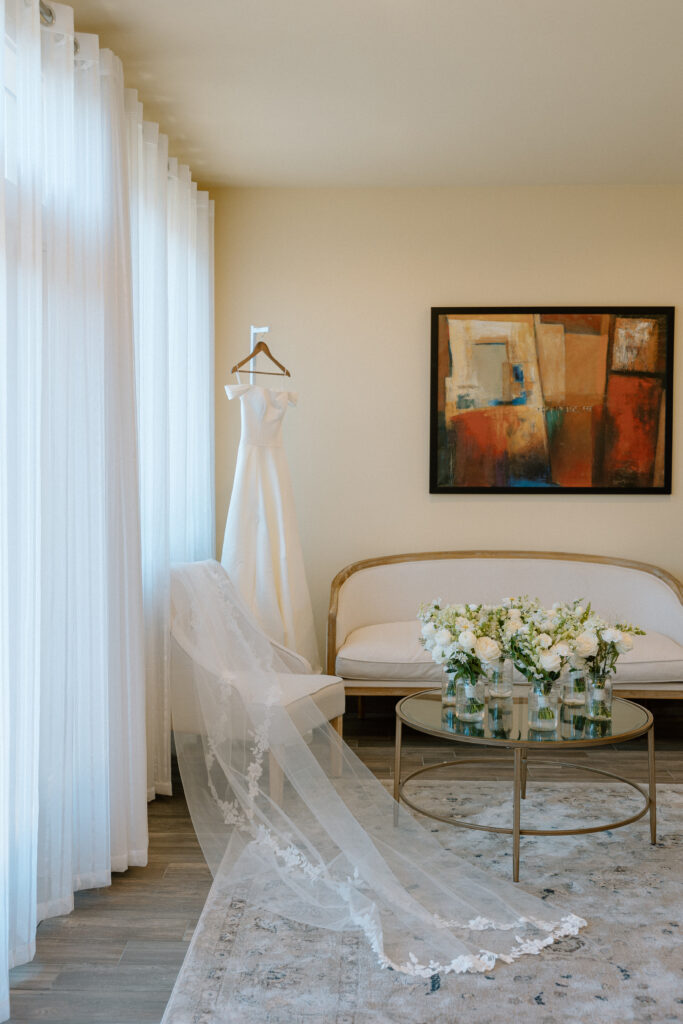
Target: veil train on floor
[330, 847]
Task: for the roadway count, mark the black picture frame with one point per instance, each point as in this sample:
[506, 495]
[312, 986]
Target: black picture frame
[551, 399]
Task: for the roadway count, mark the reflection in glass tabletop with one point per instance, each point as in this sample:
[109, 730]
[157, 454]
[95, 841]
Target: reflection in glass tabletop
[505, 722]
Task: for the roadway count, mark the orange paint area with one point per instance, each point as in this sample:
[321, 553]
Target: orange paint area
[631, 430]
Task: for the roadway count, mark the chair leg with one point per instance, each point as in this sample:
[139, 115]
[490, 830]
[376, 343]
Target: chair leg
[336, 758]
[276, 780]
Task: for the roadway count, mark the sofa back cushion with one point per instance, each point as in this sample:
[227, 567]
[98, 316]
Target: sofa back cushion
[392, 591]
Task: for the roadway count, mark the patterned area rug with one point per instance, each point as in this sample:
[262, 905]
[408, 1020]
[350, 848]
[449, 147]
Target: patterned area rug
[252, 967]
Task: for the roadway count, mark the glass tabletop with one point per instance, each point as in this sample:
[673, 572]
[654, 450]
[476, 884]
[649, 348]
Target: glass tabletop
[505, 722]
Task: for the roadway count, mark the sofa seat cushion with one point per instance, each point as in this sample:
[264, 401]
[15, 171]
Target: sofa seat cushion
[655, 658]
[327, 693]
[392, 651]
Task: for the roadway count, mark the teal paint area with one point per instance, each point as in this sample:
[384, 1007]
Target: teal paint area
[554, 418]
[465, 402]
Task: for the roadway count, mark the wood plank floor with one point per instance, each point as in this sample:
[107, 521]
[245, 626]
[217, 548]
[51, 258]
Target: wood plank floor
[114, 960]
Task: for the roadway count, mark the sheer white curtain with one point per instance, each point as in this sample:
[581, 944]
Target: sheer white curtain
[172, 249]
[87, 438]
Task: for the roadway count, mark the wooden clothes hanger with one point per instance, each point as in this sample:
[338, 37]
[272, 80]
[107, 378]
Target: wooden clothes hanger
[261, 347]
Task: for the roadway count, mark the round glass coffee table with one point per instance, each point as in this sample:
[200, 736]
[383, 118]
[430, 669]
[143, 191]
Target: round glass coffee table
[505, 725]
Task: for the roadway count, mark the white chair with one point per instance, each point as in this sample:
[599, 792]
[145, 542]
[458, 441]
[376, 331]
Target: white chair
[297, 682]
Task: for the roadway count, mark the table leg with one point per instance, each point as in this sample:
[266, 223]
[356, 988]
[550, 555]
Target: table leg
[516, 812]
[397, 758]
[652, 783]
[524, 771]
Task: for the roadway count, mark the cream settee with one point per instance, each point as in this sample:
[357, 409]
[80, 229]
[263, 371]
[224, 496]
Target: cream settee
[373, 633]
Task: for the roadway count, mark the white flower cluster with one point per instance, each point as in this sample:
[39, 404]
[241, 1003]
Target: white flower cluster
[469, 639]
[596, 643]
[463, 638]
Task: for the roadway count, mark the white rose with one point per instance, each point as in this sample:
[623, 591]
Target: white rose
[625, 643]
[467, 640]
[586, 645]
[563, 649]
[514, 613]
[550, 661]
[429, 629]
[611, 636]
[544, 640]
[439, 655]
[487, 649]
[577, 663]
[443, 637]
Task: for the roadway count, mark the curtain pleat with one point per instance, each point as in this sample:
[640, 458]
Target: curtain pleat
[88, 669]
[148, 172]
[4, 608]
[128, 757]
[22, 514]
[103, 242]
[190, 342]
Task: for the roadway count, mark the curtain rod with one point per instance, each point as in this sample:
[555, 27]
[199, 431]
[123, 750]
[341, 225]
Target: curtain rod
[47, 15]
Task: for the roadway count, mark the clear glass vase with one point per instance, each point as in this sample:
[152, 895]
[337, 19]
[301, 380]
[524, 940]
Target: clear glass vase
[448, 688]
[470, 728]
[499, 678]
[572, 721]
[449, 721]
[574, 688]
[599, 698]
[499, 716]
[543, 705]
[598, 729]
[470, 697]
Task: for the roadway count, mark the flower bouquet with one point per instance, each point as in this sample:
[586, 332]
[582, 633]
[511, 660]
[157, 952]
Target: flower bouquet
[537, 641]
[458, 638]
[596, 646]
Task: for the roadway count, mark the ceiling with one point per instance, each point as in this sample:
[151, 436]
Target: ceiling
[407, 92]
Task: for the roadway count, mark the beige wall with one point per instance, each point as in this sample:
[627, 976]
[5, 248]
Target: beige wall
[346, 278]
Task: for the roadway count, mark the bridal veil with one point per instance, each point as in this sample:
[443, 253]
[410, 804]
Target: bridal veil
[331, 848]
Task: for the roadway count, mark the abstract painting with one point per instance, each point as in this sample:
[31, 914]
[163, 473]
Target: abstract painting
[551, 399]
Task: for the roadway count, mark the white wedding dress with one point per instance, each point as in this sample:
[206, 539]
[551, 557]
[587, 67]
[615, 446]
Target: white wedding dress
[331, 848]
[261, 549]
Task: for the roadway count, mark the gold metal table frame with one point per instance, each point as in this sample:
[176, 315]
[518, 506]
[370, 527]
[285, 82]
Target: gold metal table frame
[520, 747]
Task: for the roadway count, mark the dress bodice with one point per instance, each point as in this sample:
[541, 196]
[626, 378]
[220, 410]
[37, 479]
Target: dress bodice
[263, 411]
